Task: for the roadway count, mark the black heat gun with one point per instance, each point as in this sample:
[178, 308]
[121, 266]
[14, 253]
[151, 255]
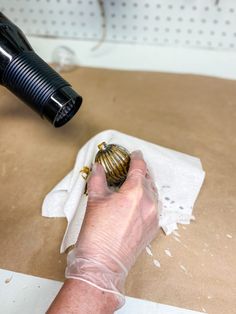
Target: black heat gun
[26, 75]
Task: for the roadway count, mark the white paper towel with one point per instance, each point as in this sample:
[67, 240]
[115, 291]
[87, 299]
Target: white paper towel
[178, 178]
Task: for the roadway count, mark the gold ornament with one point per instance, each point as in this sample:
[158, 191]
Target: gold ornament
[115, 160]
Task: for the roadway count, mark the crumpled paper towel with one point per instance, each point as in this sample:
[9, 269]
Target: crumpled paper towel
[178, 178]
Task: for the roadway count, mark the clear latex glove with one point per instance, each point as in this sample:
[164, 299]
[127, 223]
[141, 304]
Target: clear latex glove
[116, 228]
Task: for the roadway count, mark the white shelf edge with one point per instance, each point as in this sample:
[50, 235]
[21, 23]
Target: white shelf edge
[216, 63]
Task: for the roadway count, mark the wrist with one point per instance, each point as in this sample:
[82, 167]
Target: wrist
[79, 297]
[97, 274]
[104, 302]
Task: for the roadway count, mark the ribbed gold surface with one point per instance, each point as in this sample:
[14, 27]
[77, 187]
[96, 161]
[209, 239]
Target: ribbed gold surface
[115, 160]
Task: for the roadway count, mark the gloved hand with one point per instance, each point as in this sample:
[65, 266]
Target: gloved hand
[116, 228]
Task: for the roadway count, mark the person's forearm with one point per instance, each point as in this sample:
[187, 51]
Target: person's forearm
[79, 297]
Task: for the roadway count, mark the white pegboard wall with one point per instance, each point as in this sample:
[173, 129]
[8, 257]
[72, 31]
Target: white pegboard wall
[193, 23]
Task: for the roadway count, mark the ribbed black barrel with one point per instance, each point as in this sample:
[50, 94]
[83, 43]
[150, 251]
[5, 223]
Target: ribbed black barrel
[32, 80]
[25, 74]
[42, 88]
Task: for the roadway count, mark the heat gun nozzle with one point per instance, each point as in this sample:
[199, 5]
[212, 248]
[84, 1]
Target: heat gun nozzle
[38, 85]
[24, 73]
